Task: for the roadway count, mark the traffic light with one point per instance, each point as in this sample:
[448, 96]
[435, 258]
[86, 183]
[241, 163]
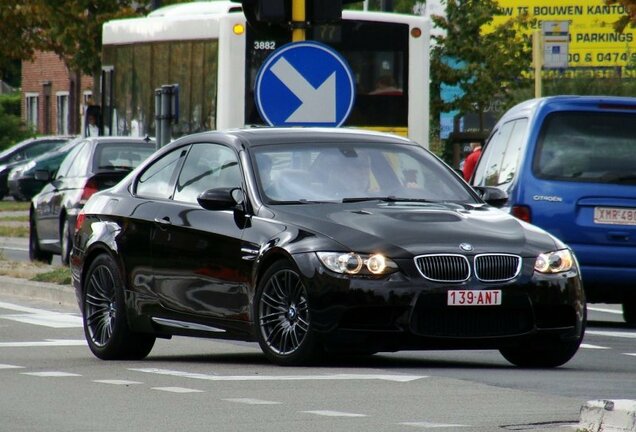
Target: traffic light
[266, 11]
[323, 11]
[280, 11]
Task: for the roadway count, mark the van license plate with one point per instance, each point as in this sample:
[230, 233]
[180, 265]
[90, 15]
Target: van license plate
[474, 298]
[614, 216]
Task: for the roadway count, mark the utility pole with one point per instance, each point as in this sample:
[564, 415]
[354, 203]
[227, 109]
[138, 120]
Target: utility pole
[299, 16]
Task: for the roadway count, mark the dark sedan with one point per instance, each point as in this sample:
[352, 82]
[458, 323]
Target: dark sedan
[94, 164]
[24, 151]
[315, 241]
[22, 182]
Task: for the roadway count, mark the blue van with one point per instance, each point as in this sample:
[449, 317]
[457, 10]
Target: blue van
[568, 164]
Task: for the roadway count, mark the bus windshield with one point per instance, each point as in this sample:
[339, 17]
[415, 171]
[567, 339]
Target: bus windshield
[377, 53]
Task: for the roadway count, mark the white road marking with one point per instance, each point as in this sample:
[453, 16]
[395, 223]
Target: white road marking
[8, 366]
[598, 309]
[588, 346]
[629, 335]
[41, 317]
[117, 382]
[429, 425]
[51, 319]
[44, 343]
[630, 354]
[252, 401]
[177, 389]
[334, 413]
[396, 378]
[51, 374]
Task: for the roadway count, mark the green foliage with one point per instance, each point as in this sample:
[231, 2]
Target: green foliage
[12, 129]
[11, 103]
[629, 18]
[490, 62]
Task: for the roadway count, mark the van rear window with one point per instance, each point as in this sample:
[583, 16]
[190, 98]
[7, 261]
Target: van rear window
[595, 147]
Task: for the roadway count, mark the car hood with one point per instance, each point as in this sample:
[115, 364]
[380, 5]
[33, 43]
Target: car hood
[407, 229]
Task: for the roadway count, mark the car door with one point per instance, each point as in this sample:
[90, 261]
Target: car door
[197, 252]
[48, 202]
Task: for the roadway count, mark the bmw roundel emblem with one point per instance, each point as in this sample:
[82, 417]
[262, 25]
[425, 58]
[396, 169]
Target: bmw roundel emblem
[466, 247]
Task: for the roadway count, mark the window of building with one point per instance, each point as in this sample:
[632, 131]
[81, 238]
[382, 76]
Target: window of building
[62, 113]
[32, 110]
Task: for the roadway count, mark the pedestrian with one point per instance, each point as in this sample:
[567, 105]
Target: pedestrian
[471, 160]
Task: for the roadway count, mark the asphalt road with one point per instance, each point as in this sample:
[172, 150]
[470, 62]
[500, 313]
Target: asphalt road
[51, 382]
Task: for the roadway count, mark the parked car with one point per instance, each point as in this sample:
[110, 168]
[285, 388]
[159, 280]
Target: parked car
[568, 166]
[24, 151]
[318, 239]
[22, 182]
[93, 164]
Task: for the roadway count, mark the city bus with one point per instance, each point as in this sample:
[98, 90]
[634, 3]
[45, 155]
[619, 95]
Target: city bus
[213, 54]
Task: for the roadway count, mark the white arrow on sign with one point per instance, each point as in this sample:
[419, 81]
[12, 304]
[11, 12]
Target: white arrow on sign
[318, 105]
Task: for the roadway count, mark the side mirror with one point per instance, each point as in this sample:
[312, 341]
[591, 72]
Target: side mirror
[492, 195]
[42, 175]
[221, 198]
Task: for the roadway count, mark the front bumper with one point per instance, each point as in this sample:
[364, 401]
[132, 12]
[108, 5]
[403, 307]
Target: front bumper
[406, 311]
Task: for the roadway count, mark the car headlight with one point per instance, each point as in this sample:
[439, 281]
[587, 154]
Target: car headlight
[354, 264]
[554, 262]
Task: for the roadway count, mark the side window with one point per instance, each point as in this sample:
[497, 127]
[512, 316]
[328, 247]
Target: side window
[156, 180]
[40, 148]
[512, 155]
[66, 164]
[207, 166]
[499, 159]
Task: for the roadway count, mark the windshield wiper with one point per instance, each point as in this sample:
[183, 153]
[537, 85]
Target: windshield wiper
[390, 198]
[301, 201]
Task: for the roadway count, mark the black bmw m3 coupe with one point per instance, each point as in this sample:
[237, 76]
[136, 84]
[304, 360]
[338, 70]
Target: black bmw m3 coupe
[318, 241]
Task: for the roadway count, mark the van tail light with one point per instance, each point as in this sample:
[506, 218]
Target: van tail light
[81, 217]
[89, 189]
[522, 212]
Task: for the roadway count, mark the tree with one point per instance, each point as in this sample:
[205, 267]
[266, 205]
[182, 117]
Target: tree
[484, 65]
[630, 14]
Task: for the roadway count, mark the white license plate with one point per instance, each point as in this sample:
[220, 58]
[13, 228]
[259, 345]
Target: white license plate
[615, 216]
[474, 298]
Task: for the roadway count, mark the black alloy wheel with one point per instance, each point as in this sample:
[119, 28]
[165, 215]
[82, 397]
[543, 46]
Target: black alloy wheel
[35, 253]
[104, 315]
[283, 317]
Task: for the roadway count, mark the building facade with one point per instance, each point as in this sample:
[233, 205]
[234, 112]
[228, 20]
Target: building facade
[53, 97]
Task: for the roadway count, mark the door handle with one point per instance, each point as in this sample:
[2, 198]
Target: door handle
[163, 222]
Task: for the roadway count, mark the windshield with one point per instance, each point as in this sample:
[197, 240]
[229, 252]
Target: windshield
[298, 173]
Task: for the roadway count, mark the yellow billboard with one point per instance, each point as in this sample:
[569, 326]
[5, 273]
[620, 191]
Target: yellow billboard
[593, 41]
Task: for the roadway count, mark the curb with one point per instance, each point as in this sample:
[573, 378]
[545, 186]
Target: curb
[60, 294]
[608, 416]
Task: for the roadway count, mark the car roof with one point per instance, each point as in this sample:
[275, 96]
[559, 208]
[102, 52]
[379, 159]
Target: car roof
[254, 137]
[566, 102]
[29, 141]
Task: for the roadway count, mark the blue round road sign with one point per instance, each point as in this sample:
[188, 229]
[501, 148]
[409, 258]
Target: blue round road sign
[304, 84]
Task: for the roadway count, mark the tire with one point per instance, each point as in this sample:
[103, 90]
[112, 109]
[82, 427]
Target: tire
[545, 356]
[35, 253]
[104, 315]
[282, 317]
[629, 311]
[66, 241]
